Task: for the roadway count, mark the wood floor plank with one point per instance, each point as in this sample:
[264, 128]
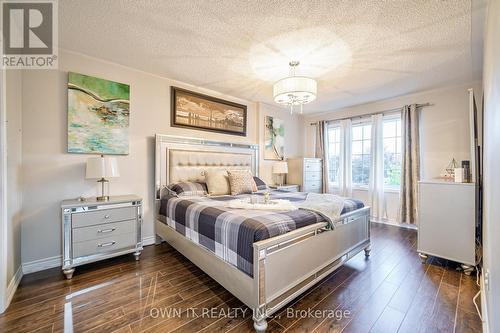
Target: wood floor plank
[388, 292]
[388, 322]
[468, 289]
[372, 309]
[420, 310]
[467, 322]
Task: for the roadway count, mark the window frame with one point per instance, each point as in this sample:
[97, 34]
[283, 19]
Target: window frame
[392, 117]
[333, 125]
[361, 122]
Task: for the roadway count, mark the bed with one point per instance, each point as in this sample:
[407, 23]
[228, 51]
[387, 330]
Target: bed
[264, 258]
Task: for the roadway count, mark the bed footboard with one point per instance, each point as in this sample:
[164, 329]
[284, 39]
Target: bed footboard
[287, 265]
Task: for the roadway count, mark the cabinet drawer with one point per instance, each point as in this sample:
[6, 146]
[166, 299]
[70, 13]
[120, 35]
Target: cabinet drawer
[312, 176]
[312, 166]
[314, 187]
[103, 245]
[104, 230]
[103, 216]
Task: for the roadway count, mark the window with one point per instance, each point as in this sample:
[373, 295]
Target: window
[392, 152]
[333, 154]
[361, 154]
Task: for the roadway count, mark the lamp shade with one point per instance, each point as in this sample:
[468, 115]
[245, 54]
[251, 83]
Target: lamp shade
[102, 167]
[295, 90]
[280, 167]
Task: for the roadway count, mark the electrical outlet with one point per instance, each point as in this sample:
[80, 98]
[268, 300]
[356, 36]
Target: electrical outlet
[486, 279]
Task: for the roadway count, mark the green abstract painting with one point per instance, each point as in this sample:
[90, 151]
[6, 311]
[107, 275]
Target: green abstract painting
[274, 139]
[98, 115]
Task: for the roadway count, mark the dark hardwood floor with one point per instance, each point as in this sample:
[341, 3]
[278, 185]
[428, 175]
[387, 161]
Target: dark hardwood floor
[389, 292]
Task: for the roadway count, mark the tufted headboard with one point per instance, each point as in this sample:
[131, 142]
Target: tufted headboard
[184, 159]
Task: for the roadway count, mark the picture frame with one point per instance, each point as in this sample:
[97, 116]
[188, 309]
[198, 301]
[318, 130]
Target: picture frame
[197, 111]
[98, 115]
[274, 139]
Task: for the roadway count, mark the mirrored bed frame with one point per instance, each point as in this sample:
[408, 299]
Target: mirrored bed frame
[284, 266]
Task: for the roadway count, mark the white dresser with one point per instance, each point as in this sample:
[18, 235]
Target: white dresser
[307, 173]
[95, 230]
[447, 222]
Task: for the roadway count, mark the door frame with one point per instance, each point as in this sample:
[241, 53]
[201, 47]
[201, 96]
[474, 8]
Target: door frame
[3, 192]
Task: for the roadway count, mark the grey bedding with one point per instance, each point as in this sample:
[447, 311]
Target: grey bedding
[230, 233]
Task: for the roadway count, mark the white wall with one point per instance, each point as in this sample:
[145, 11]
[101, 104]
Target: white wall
[491, 180]
[294, 136]
[444, 130]
[50, 174]
[14, 159]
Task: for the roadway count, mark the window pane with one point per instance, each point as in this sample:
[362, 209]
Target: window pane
[389, 128]
[357, 133]
[357, 147]
[366, 169]
[333, 154]
[357, 166]
[390, 145]
[367, 132]
[398, 127]
[367, 147]
[398, 145]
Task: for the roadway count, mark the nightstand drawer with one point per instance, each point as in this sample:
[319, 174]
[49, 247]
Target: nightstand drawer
[312, 176]
[312, 166]
[314, 187]
[104, 230]
[108, 244]
[103, 216]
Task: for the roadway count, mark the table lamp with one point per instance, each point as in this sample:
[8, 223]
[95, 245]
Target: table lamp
[101, 168]
[280, 168]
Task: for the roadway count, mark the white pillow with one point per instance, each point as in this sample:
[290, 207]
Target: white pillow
[217, 182]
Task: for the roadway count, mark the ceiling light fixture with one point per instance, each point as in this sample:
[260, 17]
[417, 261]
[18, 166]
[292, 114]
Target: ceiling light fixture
[295, 90]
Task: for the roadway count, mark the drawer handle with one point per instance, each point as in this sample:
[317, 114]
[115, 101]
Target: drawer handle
[106, 216]
[106, 244]
[106, 230]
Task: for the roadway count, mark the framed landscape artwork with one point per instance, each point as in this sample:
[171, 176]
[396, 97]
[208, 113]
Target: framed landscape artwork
[274, 139]
[196, 111]
[98, 115]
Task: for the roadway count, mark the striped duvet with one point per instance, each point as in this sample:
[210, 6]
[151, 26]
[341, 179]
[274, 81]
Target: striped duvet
[230, 233]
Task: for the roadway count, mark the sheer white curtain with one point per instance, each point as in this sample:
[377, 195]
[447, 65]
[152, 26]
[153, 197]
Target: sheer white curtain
[345, 170]
[376, 182]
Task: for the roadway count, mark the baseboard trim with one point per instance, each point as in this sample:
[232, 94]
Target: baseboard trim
[13, 284]
[395, 224]
[51, 262]
[41, 264]
[150, 240]
[484, 307]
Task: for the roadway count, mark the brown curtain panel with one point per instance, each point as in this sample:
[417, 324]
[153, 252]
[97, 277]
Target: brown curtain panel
[321, 151]
[410, 167]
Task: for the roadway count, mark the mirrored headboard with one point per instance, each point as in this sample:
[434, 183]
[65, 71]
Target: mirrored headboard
[184, 159]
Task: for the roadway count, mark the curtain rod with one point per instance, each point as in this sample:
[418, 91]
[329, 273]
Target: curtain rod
[374, 113]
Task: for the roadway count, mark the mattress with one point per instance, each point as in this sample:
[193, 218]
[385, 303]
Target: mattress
[230, 233]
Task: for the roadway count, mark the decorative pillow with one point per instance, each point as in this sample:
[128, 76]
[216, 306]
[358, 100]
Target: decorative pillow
[241, 181]
[217, 182]
[260, 184]
[192, 189]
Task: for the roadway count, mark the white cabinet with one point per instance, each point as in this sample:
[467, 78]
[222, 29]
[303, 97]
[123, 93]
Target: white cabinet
[307, 173]
[446, 222]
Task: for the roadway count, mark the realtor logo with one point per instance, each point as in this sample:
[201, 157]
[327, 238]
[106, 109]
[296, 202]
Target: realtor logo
[29, 34]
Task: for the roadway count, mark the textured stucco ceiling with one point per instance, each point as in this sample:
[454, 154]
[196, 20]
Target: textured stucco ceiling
[359, 51]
